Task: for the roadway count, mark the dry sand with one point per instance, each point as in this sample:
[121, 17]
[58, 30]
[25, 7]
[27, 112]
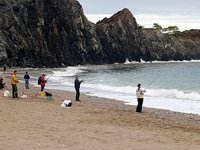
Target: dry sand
[92, 124]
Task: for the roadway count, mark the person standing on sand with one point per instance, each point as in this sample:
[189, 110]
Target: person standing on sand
[14, 82]
[26, 77]
[43, 82]
[4, 68]
[140, 95]
[77, 87]
[2, 85]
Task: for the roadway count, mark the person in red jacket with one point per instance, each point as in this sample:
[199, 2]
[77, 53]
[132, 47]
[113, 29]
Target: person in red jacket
[43, 81]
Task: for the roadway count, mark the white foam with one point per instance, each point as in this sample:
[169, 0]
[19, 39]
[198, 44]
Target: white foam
[172, 99]
[162, 99]
[69, 71]
[61, 75]
[156, 93]
[171, 61]
[173, 93]
[60, 78]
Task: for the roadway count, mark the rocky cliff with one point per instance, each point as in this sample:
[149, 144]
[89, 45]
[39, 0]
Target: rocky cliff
[48, 33]
[56, 33]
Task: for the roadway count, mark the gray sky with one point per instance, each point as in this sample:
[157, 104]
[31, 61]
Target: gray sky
[141, 6]
[184, 14]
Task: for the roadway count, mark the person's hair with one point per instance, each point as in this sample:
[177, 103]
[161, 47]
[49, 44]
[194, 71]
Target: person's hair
[138, 85]
[15, 71]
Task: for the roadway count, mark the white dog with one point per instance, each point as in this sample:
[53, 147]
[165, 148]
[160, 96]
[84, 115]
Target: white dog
[66, 103]
[6, 93]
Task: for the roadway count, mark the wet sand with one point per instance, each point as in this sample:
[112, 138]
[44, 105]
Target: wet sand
[37, 123]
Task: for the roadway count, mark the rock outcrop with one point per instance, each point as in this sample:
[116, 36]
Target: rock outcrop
[56, 33]
[164, 47]
[118, 36]
[48, 33]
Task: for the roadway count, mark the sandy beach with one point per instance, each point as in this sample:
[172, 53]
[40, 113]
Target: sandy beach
[37, 123]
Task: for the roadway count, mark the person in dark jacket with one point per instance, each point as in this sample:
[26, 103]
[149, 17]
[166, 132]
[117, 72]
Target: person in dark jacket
[77, 83]
[26, 78]
[4, 68]
[2, 85]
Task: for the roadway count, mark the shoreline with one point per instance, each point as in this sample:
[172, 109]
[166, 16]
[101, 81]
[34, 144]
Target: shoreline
[104, 98]
[175, 99]
[113, 104]
[94, 120]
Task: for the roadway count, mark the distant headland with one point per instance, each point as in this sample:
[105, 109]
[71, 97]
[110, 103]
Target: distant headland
[56, 33]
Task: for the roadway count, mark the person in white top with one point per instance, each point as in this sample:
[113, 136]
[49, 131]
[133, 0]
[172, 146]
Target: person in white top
[140, 95]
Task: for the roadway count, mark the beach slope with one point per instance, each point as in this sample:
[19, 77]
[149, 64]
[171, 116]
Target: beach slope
[37, 123]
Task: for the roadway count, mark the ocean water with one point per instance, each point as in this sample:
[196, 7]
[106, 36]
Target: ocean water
[169, 85]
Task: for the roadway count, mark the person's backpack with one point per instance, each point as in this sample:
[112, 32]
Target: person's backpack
[39, 80]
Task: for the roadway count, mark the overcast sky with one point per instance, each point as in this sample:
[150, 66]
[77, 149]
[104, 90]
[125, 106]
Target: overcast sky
[141, 6]
[149, 11]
